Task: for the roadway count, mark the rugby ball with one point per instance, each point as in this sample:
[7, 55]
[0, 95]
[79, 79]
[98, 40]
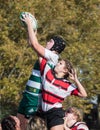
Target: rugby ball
[33, 20]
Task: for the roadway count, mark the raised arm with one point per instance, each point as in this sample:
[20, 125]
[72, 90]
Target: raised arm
[82, 91]
[40, 50]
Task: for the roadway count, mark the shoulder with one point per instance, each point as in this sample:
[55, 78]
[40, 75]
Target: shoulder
[51, 56]
[82, 126]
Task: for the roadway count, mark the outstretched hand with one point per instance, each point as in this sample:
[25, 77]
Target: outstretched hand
[73, 75]
[26, 19]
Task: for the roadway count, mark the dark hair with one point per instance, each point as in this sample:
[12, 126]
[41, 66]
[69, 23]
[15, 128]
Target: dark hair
[8, 123]
[69, 67]
[59, 44]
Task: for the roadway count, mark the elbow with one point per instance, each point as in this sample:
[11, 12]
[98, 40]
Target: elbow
[84, 95]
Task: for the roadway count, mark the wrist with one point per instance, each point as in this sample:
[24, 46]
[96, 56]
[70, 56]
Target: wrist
[76, 80]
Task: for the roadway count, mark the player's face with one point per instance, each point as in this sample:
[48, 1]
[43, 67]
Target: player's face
[69, 114]
[50, 44]
[60, 67]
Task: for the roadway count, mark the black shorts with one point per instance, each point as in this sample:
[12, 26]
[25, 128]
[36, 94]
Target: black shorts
[54, 117]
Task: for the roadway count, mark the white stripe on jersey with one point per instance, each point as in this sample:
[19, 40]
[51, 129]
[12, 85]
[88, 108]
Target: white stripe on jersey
[46, 107]
[58, 90]
[35, 94]
[82, 126]
[71, 87]
[34, 84]
[36, 73]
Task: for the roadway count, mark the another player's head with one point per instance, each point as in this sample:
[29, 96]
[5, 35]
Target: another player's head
[63, 68]
[10, 123]
[74, 113]
[35, 123]
[57, 44]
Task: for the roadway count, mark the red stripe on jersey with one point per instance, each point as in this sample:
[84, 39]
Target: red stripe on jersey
[42, 65]
[50, 97]
[57, 82]
[47, 102]
[75, 92]
[75, 126]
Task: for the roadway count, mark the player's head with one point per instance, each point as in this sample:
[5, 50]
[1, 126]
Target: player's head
[36, 123]
[63, 66]
[59, 44]
[10, 123]
[75, 112]
[56, 43]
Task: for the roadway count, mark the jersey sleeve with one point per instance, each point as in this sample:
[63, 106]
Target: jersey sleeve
[75, 90]
[51, 57]
[82, 127]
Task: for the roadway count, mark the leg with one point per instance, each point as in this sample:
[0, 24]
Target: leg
[23, 121]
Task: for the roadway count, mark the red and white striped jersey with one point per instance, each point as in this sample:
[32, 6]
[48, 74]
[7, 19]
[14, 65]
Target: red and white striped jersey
[79, 126]
[54, 90]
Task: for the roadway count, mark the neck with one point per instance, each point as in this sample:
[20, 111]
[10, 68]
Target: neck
[59, 75]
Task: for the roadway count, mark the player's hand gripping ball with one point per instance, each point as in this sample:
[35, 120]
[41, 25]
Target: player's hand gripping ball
[33, 20]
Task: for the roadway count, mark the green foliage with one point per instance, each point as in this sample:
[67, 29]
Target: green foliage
[77, 21]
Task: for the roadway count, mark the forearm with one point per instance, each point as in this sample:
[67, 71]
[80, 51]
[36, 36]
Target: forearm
[82, 91]
[34, 42]
[66, 128]
[66, 124]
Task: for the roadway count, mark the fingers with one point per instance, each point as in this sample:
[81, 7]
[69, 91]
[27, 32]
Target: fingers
[22, 19]
[25, 16]
[73, 71]
[72, 74]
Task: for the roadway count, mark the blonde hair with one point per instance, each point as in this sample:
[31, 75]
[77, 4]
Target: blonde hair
[77, 112]
[36, 123]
